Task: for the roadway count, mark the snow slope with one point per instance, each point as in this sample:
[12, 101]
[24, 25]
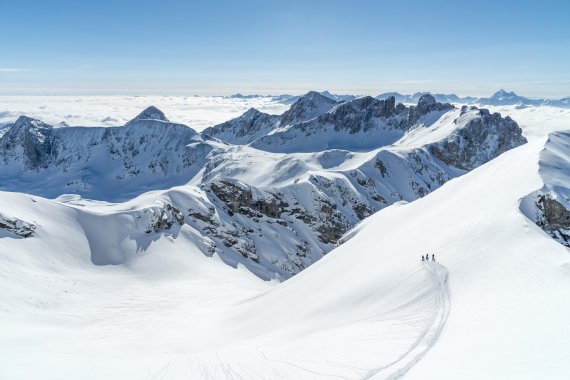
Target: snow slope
[274, 210]
[369, 308]
[506, 278]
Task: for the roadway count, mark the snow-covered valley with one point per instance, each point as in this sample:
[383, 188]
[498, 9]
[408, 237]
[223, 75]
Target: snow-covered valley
[340, 199]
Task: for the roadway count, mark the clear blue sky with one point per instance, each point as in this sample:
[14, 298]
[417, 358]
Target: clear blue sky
[254, 46]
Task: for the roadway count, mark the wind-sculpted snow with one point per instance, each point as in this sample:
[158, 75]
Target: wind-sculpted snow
[549, 207]
[181, 304]
[276, 205]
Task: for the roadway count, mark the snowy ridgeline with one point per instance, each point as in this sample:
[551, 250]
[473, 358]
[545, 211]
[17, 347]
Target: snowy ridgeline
[549, 207]
[500, 98]
[273, 192]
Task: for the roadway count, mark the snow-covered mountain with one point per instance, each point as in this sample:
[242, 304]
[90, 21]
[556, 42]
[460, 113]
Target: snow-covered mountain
[503, 98]
[290, 99]
[500, 98]
[111, 163]
[275, 195]
[549, 207]
[414, 98]
[369, 309]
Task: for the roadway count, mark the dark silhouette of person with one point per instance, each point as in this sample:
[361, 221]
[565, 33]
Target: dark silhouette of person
[432, 257]
[422, 257]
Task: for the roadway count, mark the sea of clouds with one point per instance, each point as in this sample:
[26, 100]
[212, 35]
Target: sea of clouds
[198, 112]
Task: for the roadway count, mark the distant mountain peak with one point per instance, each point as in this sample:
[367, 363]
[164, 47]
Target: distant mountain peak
[151, 113]
[251, 112]
[426, 99]
[316, 96]
[25, 122]
[503, 93]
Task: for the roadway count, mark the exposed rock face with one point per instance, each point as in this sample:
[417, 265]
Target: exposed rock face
[241, 200]
[151, 113]
[426, 104]
[148, 151]
[365, 123]
[274, 213]
[244, 129]
[359, 114]
[307, 107]
[484, 137]
[555, 214]
[17, 227]
[30, 140]
[549, 207]
[554, 219]
[253, 124]
[164, 218]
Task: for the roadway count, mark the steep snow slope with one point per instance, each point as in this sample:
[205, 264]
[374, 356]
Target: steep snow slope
[73, 319]
[369, 309]
[506, 277]
[277, 213]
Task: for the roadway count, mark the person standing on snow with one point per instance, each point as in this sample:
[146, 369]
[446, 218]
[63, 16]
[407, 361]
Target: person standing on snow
[432, 257]
[423, 258]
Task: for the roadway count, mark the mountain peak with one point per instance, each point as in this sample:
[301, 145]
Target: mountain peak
[426, 99]
[316, 96]
[251, 112]
[28, 122]
[151, 113]
[502, 93]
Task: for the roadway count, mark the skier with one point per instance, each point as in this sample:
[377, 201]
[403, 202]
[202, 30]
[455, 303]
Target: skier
[423, 258]
[432, 257]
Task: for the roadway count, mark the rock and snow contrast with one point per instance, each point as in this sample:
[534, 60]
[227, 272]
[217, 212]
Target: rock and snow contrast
[499, 98]
[289, 246]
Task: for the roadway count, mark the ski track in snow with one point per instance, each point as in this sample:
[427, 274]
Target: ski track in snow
[442, 306]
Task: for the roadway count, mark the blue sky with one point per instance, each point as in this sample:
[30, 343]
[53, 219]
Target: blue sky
[189, 47]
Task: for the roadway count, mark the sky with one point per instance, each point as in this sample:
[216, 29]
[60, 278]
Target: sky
[215, 47]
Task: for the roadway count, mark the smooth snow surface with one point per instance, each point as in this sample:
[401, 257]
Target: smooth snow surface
[493, 306]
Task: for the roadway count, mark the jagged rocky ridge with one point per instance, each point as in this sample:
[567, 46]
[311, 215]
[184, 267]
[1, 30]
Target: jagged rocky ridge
[499, 98]
[549, 207]
[16, 226]
[278, 194]
[148, 152]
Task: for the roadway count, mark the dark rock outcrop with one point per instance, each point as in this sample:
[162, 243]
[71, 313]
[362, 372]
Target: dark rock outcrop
[483, 138]
[31, 140]
[554, 218]
[17, 227]
[245, 128]
[164, 218]
[151, 113]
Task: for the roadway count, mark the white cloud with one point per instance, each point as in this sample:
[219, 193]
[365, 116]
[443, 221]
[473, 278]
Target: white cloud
[198, 112]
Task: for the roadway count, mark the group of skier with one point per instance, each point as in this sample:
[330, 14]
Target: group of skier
[426, 258]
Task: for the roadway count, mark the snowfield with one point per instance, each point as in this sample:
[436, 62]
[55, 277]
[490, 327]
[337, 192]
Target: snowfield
[492, 306]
